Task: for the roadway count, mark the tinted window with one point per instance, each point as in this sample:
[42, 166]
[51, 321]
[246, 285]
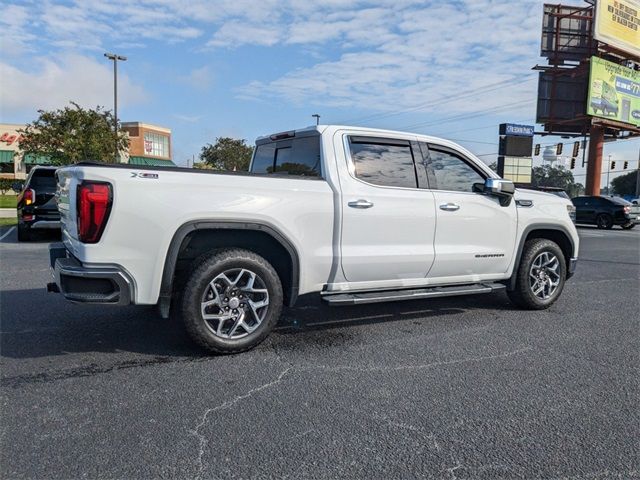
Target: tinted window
[448, 171]
[298, 156]
[263, 158]
[578, 202]
[383, 164]
[43, 180]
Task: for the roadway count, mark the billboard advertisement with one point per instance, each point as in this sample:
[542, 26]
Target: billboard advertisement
[617, 23]
[614, 92]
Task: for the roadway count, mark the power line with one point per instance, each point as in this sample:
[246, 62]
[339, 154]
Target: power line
[432, 103]
[476, 114]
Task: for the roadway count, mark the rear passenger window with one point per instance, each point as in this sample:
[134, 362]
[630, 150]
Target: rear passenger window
[297, 156]
[387, 164]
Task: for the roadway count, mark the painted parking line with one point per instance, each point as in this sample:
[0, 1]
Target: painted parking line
[7, 233]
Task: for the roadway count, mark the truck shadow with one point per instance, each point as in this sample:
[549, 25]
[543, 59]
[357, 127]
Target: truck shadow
[36, 324]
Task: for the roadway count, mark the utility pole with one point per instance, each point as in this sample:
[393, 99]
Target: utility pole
[608, 172]
[115, 58]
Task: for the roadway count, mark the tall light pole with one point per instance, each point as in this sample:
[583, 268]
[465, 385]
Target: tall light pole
[608, 172]
[115, 58]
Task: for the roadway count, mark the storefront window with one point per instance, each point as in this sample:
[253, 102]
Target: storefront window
[156, 145]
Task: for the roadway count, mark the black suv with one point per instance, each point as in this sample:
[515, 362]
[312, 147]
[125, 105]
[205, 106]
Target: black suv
[605, 212]
[36, 206]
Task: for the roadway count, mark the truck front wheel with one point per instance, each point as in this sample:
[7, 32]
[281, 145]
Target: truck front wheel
[232, 301]
[540, 276]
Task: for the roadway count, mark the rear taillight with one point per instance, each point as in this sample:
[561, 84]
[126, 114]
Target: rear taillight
[29, 196]
[94, 206]
[627, 209]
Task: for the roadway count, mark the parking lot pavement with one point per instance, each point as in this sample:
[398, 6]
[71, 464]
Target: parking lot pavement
[454, 388]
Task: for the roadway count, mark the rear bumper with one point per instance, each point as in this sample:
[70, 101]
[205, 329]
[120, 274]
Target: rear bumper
[82, 284]
[45, 224]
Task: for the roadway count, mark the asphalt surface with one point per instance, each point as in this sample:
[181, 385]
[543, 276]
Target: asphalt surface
[455, 388]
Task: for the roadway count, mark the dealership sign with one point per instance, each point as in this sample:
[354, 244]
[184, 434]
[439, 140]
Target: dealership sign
[614, 92]
[617, 23]
[518, 130]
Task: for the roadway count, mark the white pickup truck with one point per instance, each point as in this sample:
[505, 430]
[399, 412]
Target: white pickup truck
[355, 215]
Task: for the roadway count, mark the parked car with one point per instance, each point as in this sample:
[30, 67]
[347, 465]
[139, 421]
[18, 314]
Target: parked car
[605, 212]
[36, 205]
[352, 215]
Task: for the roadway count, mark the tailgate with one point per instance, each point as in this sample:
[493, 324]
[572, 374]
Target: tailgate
[67, 182]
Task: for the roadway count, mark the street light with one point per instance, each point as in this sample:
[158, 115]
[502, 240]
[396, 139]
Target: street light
[115, 58]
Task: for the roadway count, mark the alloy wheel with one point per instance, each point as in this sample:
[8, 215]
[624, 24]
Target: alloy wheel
[235, 303]
[544, 275]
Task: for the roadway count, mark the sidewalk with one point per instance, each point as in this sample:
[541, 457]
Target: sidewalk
[7, 212]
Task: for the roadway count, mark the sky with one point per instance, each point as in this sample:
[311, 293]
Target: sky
[244, 68]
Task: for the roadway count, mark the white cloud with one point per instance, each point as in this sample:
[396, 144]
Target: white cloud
[15, 34]
[403, 56]
[374, 54]
[188, 118]
[52, 84]
[198, 78]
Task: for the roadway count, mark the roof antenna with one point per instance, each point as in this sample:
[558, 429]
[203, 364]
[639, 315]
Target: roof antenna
[317, 117]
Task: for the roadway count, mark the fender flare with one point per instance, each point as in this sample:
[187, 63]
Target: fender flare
[166, 285]
[528, 229]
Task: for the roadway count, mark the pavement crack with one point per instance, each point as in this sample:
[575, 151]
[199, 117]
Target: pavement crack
[423, 365]
[228, 404]
[202, 439]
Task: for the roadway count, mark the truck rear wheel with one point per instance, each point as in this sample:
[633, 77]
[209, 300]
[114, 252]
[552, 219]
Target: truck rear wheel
[232, 301]
[540, 276]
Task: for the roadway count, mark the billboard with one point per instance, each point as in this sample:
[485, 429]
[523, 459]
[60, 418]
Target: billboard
[614, 92]
[617, 23]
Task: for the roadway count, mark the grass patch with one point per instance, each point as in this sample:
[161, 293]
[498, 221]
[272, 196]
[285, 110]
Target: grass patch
[8, 201]
[8, 222]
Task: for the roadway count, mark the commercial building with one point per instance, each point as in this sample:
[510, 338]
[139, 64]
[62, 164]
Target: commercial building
[148, 145]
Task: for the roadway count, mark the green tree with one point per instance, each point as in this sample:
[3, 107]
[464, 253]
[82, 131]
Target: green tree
[550, 176]
[227, 154]
[5, 185]
[73, 134]
[625, 184]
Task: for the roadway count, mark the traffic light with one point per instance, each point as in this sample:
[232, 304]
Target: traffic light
[559, 149]
[613, 165]
[536, 150]
[576, 149]
[573, 163]
[625, 165]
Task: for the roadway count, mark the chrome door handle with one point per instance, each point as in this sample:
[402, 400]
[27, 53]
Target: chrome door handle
[360, 204]
[449, 207]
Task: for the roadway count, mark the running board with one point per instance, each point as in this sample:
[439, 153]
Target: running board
[413, 294]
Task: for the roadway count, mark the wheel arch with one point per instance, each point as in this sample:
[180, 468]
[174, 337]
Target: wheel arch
[555, 233]
[197, 237]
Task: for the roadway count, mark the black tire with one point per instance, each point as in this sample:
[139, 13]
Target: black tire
[628, 226]
[604, 221]
[198, 284]
[24, 235]
[522, 295]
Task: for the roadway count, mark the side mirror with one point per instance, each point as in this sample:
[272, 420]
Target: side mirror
[503, 189]
[498, 186]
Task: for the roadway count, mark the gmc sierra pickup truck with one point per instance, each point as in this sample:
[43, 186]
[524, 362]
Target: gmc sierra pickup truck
[355, 215]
